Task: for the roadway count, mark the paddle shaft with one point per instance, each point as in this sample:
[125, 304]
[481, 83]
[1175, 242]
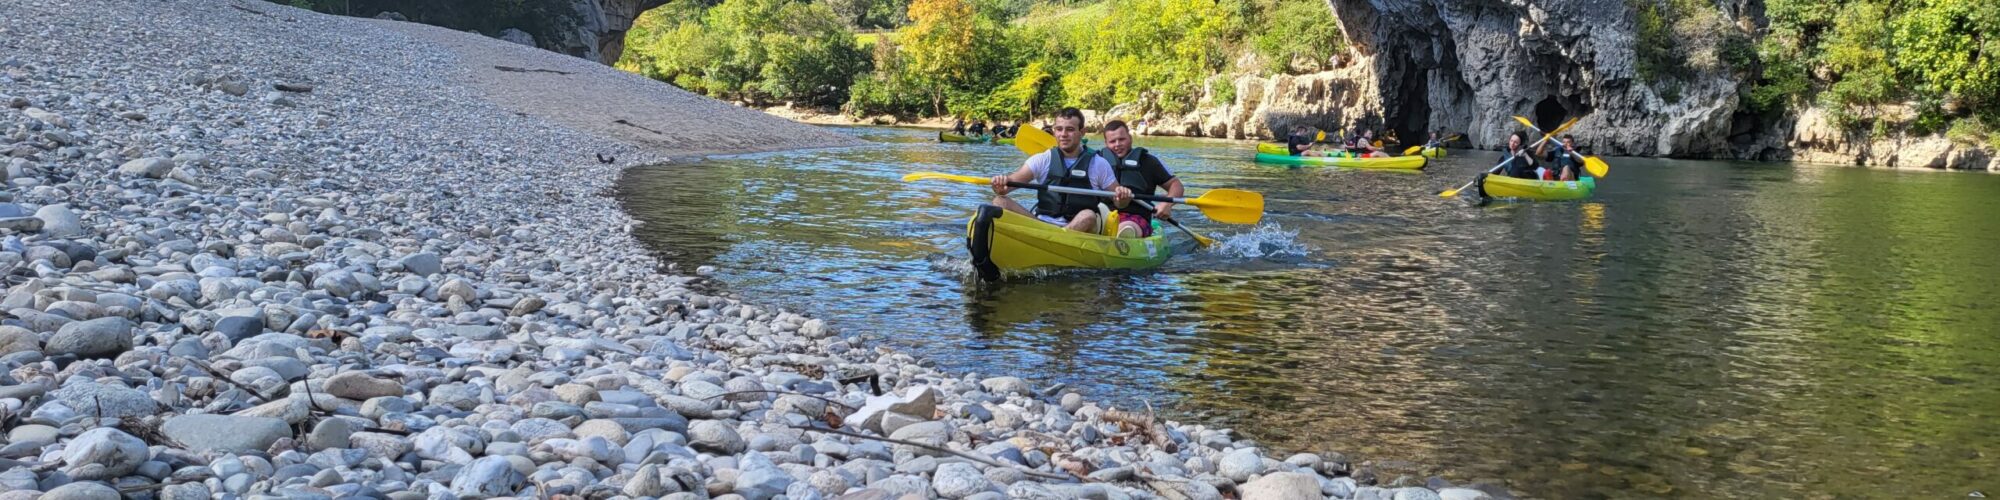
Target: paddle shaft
[1091, 192]
[1170, 220]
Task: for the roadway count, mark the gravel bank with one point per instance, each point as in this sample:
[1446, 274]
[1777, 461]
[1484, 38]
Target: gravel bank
[252, 251]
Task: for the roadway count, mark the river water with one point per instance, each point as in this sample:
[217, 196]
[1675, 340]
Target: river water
[1697, 329]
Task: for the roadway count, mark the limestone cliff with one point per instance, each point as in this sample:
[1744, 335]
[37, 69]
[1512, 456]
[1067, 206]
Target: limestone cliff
[1470, 65]
[590, 29]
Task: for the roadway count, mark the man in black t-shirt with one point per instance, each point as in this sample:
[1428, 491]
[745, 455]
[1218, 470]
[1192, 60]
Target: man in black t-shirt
[1142, 173]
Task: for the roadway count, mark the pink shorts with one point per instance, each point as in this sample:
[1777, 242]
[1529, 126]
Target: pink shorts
[1145, 226]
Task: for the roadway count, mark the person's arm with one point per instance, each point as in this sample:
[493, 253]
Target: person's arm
[1027, 173]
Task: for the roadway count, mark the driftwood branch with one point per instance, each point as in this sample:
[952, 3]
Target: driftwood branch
[225, 378]
[983, 460]
[1145, 424]
[762, 391]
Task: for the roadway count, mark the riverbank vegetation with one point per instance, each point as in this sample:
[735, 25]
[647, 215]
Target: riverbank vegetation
[986, 59]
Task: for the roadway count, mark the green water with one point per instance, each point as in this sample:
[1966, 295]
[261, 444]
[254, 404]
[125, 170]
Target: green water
[1696, 330]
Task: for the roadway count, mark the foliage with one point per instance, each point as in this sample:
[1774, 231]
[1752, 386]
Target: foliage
[732, 51]
[869, 14]
[1298, 30]
[1941, 55]
[1162, 50]
[966, 58]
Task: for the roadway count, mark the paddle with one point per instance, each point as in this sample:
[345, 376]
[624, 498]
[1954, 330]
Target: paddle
[1033, 140]
[1204, 241]
[1420, 147]
[1596, 166]
[1565, 126]
[1228, 206]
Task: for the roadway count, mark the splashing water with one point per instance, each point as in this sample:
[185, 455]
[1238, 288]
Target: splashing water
[1266, 241]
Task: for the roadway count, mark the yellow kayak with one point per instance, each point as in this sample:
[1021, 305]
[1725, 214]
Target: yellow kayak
[1500, 186]
[951, 137]
[1005, 241]
[1392, 162]
[1004, 141]
[1280, 149]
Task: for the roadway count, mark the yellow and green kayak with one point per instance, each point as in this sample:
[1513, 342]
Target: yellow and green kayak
[1503, 187]
[1280, 149]
[951, 137]
[1004, 141]
[1392, 163]
[1006, 241]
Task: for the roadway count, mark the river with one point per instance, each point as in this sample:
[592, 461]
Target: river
[1697, 329]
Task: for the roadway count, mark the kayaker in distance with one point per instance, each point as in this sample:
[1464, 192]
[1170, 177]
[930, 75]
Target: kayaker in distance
[978, 128]
[1141, 172]
[1070, 164]
[1301, 142]
[958, 126]
[1564, 157]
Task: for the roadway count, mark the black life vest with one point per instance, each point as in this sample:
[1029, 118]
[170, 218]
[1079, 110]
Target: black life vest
[1132, 177]
[1066, 206]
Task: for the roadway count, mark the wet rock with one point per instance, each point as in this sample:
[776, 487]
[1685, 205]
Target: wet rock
[1006, 385]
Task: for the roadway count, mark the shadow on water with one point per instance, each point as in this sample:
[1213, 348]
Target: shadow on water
[1699, 329]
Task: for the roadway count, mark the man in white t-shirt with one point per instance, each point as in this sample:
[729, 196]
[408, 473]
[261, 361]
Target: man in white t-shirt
[1079, 168]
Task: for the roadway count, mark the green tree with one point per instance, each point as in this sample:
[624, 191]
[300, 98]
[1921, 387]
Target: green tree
[813, 59]
[1299, 30]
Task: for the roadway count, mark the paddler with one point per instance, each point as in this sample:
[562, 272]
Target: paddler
[1300, 143]
[1070, 164]
[1564, 159]
[1518, 163]
[1140, 172]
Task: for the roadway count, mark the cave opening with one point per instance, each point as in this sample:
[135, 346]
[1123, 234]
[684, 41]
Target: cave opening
[1549, 113]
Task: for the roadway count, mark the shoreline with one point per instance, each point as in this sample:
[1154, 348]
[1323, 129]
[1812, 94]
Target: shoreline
[278, 252]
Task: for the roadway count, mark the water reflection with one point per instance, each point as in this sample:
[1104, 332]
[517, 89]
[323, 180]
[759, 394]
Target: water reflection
[1700, 329]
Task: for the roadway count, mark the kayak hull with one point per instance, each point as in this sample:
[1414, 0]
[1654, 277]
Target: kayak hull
[1002, 241]
[951, 137]
[1502, 187]
[1280, 149]
[1004, 141]
[1388, 163]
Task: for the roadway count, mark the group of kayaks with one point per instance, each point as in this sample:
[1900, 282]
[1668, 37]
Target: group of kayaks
[1001, 241]
[973, 139]
[1496, 186]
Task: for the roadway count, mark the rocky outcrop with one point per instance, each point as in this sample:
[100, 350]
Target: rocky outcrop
[1470, 66]
[590, 29]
